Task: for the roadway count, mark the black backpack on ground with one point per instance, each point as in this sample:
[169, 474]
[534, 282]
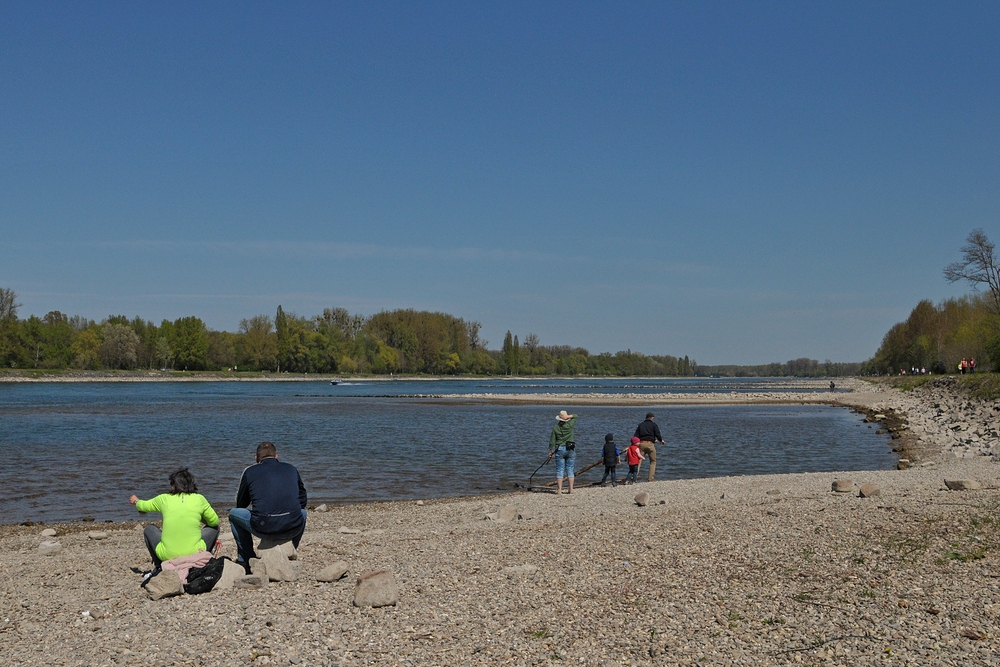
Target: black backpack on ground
[203, 579]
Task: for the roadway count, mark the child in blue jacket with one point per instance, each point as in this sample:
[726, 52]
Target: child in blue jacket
[611, 459]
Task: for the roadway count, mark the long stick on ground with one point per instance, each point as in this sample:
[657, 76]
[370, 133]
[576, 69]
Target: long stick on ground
[580, 472]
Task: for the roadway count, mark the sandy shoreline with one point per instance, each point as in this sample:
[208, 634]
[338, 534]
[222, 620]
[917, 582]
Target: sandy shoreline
[774, 569]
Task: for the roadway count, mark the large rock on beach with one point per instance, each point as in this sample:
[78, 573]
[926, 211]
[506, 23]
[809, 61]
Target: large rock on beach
[164, 585]
[869, 490]
[963, 484]
[842, 486]
[230, 573]
[49, 548]
[284, 547]
[333, 572]
[275, 566]
[49, 532]
[376, 589]
[641, 499]
[97, 535]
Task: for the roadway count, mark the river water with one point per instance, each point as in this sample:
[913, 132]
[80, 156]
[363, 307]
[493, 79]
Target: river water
[78, 450]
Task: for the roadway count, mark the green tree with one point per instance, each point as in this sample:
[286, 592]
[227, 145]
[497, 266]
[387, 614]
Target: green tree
[281, 332]
[119, 346]
[10, 347]
[507, 353]
[515, 356]
[222, 349]
[531, 348]
[148, 333]
[259, 343]
[86, 348]
[57, 339]
[188, 338]
[162, 353]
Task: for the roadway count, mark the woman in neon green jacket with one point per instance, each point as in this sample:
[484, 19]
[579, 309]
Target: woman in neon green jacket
[184, 510]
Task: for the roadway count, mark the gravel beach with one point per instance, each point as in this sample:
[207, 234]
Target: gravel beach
[764, 570]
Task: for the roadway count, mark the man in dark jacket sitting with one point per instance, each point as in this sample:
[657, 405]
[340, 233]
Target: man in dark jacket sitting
[276, 498]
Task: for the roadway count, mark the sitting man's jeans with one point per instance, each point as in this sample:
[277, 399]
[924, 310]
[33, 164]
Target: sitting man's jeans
[239, 519]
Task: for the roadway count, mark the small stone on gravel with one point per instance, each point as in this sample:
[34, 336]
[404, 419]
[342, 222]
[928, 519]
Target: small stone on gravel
[333, 572]
[49, 548]
[963, 484]
[376, 589]
[842, 486]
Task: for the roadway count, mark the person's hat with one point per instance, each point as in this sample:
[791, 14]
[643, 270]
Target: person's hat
[609, 437]
[563, 416]
[635, 441]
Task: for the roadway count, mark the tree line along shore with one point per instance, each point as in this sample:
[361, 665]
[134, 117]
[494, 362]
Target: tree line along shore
[932, 339]
[334, 342]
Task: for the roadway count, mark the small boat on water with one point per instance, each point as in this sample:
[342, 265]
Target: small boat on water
[336, 381]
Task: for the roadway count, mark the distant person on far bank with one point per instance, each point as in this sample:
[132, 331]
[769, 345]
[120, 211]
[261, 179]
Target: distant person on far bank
[271, 503]
[612, 457]
[562, 447]
[648, 433]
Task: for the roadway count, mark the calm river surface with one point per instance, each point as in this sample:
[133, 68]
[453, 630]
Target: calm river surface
[78, 450]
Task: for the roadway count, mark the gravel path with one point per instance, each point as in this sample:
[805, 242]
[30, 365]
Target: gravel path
[765, 570]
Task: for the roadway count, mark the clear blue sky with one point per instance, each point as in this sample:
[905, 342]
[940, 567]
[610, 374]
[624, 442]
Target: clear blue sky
[738, 182]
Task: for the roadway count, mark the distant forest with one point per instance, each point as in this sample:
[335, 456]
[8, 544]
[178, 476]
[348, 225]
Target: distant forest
[398, 341]
[937, 338]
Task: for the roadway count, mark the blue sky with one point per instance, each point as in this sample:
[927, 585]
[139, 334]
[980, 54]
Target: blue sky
[738, 182]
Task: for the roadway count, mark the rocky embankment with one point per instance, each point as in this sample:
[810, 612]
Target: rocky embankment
[887, 567]
[934, 421]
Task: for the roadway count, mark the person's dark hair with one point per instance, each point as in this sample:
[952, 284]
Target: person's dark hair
[649, 415]
[182, 482]
[266, 450]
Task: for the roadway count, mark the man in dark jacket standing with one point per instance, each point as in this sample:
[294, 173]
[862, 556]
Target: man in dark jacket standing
[648, 433]
[271, 503]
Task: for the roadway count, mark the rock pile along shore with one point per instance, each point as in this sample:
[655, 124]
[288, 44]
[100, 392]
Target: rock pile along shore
[766, 570]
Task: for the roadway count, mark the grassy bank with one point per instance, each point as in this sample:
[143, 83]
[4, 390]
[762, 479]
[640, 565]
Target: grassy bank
[984, 386]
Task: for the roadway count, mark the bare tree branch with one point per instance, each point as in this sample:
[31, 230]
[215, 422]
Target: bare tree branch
[8, 304]
[978, 267]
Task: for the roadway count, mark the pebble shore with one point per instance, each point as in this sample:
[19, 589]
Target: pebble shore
[761, 570]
